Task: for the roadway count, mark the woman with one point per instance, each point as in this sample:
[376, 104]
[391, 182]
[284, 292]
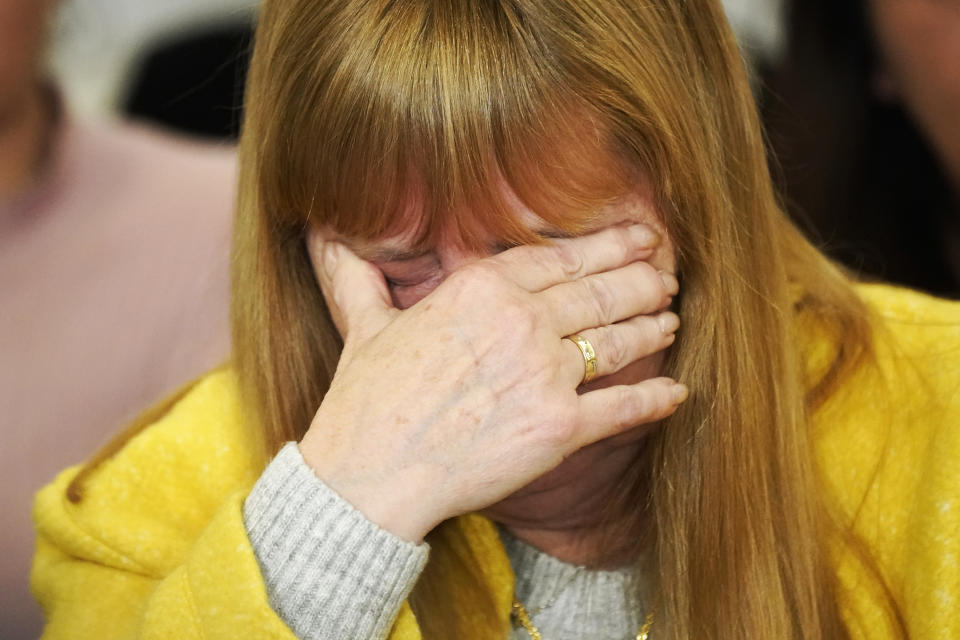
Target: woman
[470, 184]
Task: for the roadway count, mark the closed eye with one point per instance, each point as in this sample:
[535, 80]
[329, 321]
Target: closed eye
[410, 272]
[411, 281]
[393, 283]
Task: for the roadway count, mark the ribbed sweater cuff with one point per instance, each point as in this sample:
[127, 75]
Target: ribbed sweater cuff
[329, 571]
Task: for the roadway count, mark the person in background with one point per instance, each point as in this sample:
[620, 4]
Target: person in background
[114, 254]
[863, 114]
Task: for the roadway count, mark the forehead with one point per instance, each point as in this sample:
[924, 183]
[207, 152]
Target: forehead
[403, 242]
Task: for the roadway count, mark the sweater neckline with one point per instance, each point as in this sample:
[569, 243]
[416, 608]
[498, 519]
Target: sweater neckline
[572, 601]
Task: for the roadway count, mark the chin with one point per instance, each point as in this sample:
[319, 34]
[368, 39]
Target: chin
[574, 469]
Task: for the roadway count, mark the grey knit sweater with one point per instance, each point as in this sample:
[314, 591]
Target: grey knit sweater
[332, 574]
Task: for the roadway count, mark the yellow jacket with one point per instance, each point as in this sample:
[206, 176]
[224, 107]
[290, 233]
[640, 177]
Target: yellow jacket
[157, 548]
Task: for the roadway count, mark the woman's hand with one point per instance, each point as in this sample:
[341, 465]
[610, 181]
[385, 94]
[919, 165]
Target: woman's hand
[470, 394]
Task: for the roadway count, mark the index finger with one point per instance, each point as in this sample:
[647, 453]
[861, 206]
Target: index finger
[537, 267]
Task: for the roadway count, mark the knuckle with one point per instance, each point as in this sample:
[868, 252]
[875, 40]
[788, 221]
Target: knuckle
[636, 407]
[601, 297]
[477, 280]
[481, 273]
[654, 282]
[536, 363]
[649, 273]
[568, 258]
[614, 350]
[520, 319]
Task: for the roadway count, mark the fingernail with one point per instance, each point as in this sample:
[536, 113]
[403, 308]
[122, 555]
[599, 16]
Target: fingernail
[668, 322]
[680, 392]
[670, 282]
[644, 236]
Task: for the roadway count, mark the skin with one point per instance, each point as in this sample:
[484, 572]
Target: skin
[24, 113]
[919, 41]
[455, 382]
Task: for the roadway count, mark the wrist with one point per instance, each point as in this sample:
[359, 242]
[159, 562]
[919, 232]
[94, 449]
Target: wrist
[310, 542]
[393, 502]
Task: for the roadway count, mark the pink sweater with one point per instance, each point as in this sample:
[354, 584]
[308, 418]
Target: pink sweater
[113, 292]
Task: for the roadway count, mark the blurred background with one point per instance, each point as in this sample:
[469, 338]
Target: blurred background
[117, 125]
[99, 47]
[106, 52]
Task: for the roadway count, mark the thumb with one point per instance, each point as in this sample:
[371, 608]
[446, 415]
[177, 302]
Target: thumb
[354, 289]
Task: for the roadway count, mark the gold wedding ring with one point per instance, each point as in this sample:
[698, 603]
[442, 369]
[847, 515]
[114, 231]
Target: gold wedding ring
[589, 356]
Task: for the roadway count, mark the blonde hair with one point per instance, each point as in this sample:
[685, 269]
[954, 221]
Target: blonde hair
[356, 108]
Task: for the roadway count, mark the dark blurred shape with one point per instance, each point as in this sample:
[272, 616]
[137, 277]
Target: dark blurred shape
[856, 172]
[194, 83]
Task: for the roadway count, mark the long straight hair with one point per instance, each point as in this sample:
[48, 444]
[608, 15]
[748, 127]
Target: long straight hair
[355, 108]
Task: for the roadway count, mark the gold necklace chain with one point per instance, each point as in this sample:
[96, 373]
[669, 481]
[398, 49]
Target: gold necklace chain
[556, 596]
[523, 619]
